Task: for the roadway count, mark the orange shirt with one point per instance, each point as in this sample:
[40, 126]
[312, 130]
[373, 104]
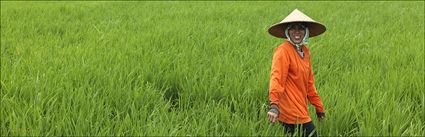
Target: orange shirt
[292, 84]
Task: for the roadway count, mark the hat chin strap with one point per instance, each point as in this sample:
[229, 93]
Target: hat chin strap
[303, 42]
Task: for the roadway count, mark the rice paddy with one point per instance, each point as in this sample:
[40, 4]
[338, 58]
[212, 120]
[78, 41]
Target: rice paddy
[202, 68]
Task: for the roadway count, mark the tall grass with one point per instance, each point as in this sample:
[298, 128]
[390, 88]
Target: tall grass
[202, 68]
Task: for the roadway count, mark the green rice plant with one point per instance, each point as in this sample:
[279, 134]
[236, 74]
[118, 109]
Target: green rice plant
[202, 68]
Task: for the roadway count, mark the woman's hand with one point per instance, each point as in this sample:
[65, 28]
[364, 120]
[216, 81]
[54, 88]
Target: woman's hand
[273, 113]
[320, 116]
[272, 116]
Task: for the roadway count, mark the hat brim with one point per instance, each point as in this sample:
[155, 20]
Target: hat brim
[315, 28]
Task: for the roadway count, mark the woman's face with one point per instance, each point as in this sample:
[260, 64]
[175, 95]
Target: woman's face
[297, 33]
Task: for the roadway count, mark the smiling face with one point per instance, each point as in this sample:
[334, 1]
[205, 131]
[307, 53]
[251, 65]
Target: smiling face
[296, 33]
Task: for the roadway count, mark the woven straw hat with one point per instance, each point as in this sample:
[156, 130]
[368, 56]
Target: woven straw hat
[315, 28]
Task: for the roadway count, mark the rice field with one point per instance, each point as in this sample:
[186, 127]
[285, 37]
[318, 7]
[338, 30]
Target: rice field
[202, 68]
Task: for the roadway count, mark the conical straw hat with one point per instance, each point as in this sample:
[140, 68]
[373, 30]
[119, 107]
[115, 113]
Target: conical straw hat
[315, 28]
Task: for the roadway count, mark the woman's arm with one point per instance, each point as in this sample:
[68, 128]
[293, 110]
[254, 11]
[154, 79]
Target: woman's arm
[313, 97]
[279, 73]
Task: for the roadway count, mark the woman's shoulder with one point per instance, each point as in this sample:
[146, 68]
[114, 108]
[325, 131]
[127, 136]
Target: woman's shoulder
[306, 49]
[283, 47]
[279, 49]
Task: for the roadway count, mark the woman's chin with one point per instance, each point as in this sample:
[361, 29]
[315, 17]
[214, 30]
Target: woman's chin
[297, 42]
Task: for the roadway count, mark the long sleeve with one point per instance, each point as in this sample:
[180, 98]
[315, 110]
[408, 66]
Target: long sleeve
[312, 95]
[279, 73]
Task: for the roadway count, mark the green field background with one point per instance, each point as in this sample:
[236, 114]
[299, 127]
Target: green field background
[202, 68]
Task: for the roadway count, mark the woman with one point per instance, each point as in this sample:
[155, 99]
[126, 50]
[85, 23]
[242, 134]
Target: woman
[291, 79]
